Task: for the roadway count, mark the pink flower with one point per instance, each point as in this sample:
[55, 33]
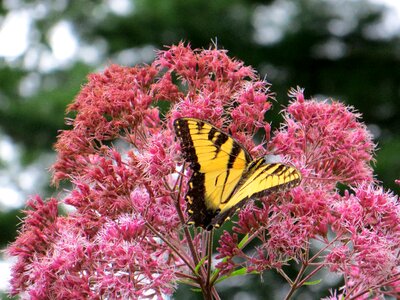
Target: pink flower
[124, 237]
[37, 234]
[127, 234]
[327, 140]
[368, 222]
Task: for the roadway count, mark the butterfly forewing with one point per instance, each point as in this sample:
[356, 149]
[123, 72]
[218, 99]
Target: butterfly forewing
[218, 163]
[209, 149]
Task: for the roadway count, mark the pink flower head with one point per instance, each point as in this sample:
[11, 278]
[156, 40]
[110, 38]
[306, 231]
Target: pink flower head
[127, 235]
[368, 222]
[37, 234]
[327, 140]
[124, 238]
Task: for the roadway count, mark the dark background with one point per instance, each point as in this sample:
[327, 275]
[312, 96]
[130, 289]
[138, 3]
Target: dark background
[344, 50]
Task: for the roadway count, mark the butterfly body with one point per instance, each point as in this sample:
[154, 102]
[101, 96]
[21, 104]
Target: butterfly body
[224, 176]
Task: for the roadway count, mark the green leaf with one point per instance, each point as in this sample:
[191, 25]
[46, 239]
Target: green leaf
[201, 262]
[315, 282]
[243, 241]
[238, 272]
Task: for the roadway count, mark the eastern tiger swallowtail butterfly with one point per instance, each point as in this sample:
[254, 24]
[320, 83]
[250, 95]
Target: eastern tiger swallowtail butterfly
[224, 174]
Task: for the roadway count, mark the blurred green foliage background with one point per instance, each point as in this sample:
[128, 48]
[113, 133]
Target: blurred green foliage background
[345, 49]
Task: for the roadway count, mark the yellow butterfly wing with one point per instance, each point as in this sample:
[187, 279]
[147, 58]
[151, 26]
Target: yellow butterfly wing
[218, 163]
[260, 179]
[224, 175]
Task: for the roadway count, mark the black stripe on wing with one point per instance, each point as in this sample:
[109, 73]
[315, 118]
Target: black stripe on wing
[182, 131]
[259, 163]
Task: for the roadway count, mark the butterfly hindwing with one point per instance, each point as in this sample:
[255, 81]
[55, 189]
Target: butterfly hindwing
[260, 179]
[224, 175]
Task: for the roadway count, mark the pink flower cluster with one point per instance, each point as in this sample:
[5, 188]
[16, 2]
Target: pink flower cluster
[327, 139]
[127, 236]
[367, 252]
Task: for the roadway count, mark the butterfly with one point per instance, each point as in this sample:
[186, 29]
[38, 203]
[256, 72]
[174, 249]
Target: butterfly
[224, 175]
